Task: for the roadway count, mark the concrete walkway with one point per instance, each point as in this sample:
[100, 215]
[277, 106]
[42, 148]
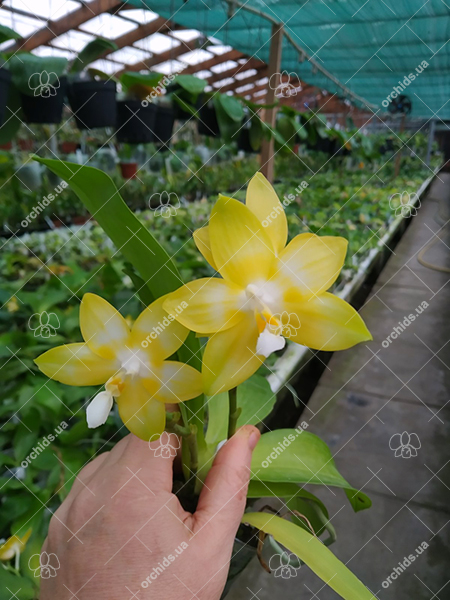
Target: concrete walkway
[366, 397]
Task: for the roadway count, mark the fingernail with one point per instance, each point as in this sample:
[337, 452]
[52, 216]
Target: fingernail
[253, 439]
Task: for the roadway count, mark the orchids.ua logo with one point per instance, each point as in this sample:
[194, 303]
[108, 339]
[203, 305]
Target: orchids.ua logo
[404, 204]
[402, 325]
[287, 200]
[44, 84]
[403, 565]
[167, 320]
[166, 447]
[44, 324]
[405, 444]
[285, 84]
[164, 204]
[162, 566]
[44, 565]
[284, 565]
[286, 324]
[285, 443]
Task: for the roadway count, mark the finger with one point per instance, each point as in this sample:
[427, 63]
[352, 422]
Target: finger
[222, 500]
[152, 462]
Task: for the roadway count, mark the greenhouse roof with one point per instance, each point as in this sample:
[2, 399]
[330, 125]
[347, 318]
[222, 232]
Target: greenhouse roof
[370, 47]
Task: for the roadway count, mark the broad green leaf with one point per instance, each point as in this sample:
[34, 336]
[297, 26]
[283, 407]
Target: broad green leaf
[193, 85]
[218, 411]
[297, 456]
[10, 584]
[140, 84]
[228, 126]
[311, 551]
[266, 489]
[256, 133]
[8, 34]
[93, 50]
[232, 107]
[256, 400]
[29, 71]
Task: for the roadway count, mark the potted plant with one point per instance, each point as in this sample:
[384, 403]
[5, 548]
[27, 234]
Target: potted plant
[41, 84]
[127, 163]
[91, 93]
[136, 115]
[229, 393]
[5, 76]
[220, 114]
[185, 92]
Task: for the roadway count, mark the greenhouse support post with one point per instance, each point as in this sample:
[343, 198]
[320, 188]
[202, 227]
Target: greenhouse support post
[273, 74]
[430, 141]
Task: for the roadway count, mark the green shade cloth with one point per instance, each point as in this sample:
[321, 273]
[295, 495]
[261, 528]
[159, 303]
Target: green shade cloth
[370, 47]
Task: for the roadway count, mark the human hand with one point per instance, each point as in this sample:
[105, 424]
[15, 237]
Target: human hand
[121, 533]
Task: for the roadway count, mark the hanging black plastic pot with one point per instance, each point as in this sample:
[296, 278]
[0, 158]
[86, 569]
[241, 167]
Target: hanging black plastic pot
[93, 103]
[46, 106]
[244, 140]
[5, 79]
[207, 123]
[163, 128]
[135, 123]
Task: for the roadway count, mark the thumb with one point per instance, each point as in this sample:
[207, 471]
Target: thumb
[222, 500]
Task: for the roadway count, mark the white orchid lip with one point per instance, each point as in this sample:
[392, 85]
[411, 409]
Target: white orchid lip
[269, 342]
[98, 409]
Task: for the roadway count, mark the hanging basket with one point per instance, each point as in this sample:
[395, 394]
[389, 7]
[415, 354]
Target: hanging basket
[5, 79]
[93, 103]
[135, 123]
[45, 109]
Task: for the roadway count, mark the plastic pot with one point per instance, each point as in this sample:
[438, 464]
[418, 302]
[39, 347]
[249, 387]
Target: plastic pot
[5, 79]
[128, 170]
[244, 141]
[135, 123]
[207, 123]
[68, 147]
[93, 103]
[163, 128]
[45, 108]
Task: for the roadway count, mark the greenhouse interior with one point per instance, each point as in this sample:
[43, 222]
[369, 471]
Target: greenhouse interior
[225, 258]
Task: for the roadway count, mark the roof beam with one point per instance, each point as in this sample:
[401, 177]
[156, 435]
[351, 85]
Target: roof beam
[53, 29]
[252, 63]
[236, 84]
[156, 59]
[206, 65]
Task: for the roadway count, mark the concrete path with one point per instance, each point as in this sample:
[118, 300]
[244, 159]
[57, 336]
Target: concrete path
[368, 395]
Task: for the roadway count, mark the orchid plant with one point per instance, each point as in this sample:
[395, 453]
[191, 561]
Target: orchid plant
[267, 291]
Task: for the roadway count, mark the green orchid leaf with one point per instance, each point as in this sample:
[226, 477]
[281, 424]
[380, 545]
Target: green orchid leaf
[256, 400]
[6, 33]
[139, 84]
[218, 411]
[193, 85]
[92, 51]
[232, 107]
[297, 456]
[29, 71]
[313, 552]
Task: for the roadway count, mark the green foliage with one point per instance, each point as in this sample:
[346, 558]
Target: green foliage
[91, 52]
[29, 71]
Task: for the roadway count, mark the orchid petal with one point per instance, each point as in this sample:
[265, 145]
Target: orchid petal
[158, 332]
[176, 381]
[328, 323]
[98, 409]
[76, 364]
[203, 243]
[263, 201]
[241, 248]
[212, 304]
[104, 329]
[140, 412]
[311, 263]
[230, 357]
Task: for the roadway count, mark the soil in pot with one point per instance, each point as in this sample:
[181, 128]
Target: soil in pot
[93, 103]
[128, 170]
[135, 123]
[163, 128]
[207, 123]
[5, 78]
[45, 109]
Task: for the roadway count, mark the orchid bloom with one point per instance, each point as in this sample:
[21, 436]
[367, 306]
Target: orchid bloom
[262, 278]
[13, 547]
[132, 362]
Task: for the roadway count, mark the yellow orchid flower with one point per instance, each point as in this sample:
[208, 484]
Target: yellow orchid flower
[268, 291]
[13, 547]
[132, 362]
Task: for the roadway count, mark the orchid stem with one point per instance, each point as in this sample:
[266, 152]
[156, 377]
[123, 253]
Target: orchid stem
[234, 412]
[191, 440]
